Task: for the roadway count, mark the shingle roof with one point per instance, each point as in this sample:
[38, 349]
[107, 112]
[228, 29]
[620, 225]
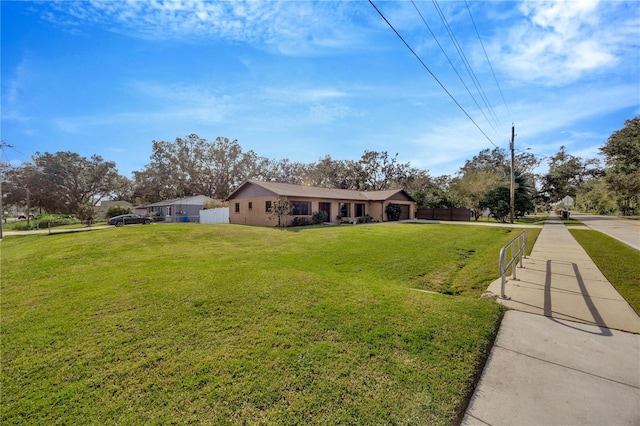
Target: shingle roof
[195, 200]
[290, 190]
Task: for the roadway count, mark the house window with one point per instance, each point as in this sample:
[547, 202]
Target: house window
[237, 207]
[325, 207]
[360, 210]
[345, 209]
[250, 205]
[267, 206]
[300, 208]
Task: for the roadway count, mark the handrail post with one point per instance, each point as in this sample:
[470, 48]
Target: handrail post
[517, 246]
[502, 287]
[522, 240]
[502, 272]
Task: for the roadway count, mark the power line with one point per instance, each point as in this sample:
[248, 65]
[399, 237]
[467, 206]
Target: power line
[466, 63]
[486, 55]
[451, 63]
[4, 145]
[430, 72]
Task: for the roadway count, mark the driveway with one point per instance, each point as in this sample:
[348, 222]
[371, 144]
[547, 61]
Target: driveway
[624, 230]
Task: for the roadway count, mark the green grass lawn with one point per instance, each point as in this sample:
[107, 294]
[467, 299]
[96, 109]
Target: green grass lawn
[571, 222]
[228, 324]
[538, 219]
[21, 225]
[617, 261]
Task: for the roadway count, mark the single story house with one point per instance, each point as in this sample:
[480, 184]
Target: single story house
[185, 209]
[251, 202]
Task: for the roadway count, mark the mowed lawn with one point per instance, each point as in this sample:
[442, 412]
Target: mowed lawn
[225, 324]
[617, 261]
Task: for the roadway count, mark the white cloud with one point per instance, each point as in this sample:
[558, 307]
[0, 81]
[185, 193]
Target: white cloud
[13, 89]
[169, 103]
[189, 101]
[563, 111]
[325, 114]
[543, 123]
[559, 42]
[299, 95]
[291, 28]
[565, 16]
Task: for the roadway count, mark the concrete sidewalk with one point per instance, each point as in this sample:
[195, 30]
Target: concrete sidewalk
[565, 353]
[560, 280]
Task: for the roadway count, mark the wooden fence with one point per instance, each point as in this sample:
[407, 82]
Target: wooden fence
[463, 215]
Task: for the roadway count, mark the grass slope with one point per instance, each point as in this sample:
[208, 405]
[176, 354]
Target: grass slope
[617, 261]
[230, 325]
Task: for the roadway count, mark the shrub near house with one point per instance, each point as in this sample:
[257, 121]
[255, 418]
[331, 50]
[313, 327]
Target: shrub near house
[393, 211]
[117, 210]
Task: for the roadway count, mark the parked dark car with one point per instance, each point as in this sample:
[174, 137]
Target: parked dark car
[128, 219]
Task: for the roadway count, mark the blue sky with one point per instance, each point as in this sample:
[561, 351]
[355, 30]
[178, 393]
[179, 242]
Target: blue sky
[301, 80]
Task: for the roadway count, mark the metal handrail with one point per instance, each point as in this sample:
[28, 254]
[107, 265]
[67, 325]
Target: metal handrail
[517, 246]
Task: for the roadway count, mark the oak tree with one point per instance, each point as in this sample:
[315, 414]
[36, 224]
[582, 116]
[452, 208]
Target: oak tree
[622, 159]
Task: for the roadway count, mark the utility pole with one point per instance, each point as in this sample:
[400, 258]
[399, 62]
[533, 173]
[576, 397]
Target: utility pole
[513, 183]
[2, 145]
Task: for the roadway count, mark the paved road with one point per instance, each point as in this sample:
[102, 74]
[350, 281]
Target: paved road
[624, 230]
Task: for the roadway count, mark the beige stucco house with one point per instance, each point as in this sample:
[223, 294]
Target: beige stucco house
[250, 204]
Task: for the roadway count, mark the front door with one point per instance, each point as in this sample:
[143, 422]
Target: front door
[325, 207]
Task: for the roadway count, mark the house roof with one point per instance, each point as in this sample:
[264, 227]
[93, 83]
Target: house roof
[289, 190]
[109, 203]
[194, 200]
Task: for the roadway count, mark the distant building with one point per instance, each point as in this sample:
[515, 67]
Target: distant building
[102, 207]
[185, 209]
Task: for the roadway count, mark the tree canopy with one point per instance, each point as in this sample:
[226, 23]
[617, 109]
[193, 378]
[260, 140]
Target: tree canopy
[485, 176]
[65, 182]
[193, 165]
[622, 158]
[567, 174]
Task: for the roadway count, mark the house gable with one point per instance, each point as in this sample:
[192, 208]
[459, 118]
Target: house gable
[401, 195]
[392, 194]
[251, 189]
